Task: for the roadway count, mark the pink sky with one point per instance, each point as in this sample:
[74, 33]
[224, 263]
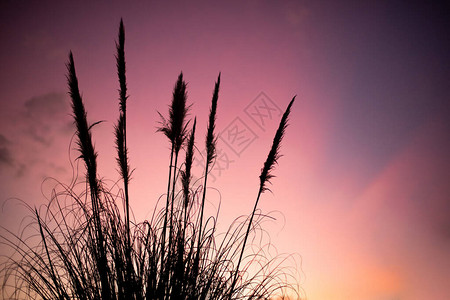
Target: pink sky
[362, 186]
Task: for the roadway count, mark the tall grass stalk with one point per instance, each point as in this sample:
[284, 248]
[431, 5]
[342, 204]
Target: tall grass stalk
[264, 178]
[175, 130]
[87, 153]
[121, 127]
[84, 243]
[210, 144]
[122, 157]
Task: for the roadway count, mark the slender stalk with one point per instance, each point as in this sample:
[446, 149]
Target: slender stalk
[59, 289]
[175, 130]
[174, 181]
[121, 129]
[265, 177]
[186, 175]
[121, 144]
[162, 242]
[211, 141]
[89, 156]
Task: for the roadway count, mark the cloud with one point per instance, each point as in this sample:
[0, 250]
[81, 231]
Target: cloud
[48, 105]
[3, 140]
[42, 113]
[5, 156]
[5, 153]
[42, 125]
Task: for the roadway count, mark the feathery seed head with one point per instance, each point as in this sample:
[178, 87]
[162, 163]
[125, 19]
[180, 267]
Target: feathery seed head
[84, 142]
[274, 153]
[120, 62]
[211, 139]
[186, 174]
[122, 151]
[175, 127]
[120, 129]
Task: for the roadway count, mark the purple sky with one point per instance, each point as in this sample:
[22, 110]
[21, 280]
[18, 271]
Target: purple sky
[362, 187]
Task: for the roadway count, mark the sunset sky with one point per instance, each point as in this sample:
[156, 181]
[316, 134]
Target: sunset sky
[362, 190]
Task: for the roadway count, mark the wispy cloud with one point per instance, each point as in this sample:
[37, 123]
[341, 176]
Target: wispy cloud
[42, 113]
[34, 130]
[5, 152]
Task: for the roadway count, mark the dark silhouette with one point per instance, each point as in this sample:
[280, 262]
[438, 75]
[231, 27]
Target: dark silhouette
[89, 248]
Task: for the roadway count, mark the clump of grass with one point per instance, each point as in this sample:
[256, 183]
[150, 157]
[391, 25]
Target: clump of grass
[85, 246]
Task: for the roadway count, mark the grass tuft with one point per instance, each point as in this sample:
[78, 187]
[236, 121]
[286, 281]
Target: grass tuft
[84, 245]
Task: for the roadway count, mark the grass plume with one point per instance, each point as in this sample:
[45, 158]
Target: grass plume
[210, 144]
[87, 153]
[266, 175]
[186, 175]
[123, 163]
[175, 129]
[274, 153]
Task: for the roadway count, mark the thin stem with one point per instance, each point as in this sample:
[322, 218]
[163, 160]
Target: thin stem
[265, 177]
[163, 236]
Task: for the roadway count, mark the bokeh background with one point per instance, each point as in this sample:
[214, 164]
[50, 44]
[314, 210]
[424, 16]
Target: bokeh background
[362, 191]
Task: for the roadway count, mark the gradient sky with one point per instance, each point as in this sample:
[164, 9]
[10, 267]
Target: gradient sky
[362, 188]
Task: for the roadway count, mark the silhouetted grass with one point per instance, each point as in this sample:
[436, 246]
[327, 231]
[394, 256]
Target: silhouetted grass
[83, 245]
